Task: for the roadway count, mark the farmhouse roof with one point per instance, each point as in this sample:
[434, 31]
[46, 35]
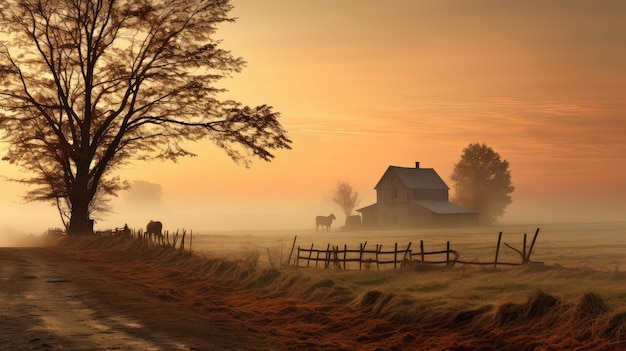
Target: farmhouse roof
[370, 207]
[442, 207]
[416, 178]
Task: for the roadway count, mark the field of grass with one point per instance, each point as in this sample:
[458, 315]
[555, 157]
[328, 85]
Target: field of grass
[598, 246]
[577, 258]
[576, 299]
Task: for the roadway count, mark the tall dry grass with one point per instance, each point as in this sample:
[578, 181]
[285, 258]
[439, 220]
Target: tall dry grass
[529, 307]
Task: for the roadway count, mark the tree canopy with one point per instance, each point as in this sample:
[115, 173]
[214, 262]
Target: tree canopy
[89, 85]
[482, 182]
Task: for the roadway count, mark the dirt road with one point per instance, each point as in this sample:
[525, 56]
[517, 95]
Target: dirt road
[52, 303]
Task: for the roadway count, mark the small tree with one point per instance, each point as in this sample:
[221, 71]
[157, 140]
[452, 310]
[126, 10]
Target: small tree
[87, 86]
[346, 198]
[482, 182]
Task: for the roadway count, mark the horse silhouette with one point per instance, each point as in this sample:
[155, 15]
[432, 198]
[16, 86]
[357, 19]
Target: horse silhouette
[324, 221]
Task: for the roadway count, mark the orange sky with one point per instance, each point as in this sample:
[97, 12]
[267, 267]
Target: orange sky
[366, 84]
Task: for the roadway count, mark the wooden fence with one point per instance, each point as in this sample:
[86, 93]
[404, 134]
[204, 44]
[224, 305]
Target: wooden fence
[177, 240]
[334, 256]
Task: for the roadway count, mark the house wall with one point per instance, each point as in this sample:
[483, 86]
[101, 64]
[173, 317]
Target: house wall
[422, 217]
[391, 196]
[369, 217]
[394, 208]
[456, 219]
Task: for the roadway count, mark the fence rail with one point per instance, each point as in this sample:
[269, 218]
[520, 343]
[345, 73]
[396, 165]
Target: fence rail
[180, 240]
[339, 258]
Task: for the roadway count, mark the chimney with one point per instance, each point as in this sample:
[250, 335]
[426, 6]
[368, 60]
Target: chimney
[417, 165]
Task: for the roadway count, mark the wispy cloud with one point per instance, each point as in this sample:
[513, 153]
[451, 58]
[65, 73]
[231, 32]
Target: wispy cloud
[546, 129]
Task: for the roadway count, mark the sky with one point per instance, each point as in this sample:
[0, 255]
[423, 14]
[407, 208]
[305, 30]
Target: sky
[362, 85]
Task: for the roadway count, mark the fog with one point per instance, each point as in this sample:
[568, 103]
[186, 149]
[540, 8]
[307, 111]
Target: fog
[136, 208]
[12, 237]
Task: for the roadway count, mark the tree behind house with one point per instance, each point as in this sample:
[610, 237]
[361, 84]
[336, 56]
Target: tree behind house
[482, 182]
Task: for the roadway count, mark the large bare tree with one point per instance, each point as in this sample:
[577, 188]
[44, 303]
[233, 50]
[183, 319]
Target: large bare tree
[482, 181]
[88, 85]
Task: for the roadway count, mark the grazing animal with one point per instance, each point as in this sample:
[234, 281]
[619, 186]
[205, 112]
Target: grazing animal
[324, 221]
[154, 229]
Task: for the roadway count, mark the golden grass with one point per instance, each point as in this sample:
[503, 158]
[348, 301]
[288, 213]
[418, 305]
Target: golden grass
[553, 306]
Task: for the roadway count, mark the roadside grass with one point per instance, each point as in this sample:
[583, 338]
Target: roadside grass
[562, 304]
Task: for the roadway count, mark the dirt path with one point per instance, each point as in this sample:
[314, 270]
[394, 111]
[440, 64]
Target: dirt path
[52, 303]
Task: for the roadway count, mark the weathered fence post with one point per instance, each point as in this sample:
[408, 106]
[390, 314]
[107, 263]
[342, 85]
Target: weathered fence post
[362, 248]
[336, 258]
[495, 263]
[298, 258]
[378, 250]
[175, 238]
[308, 261]
[182, 241]
[532, 244]
[395, 256]
[447, 254]
[345, 253]
[422, 249]
[327, 262]
[190, 240]
[524, 250]
[291, 253]
[407, 252]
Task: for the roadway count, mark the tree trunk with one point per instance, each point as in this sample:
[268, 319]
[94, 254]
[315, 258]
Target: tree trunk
[80, 223]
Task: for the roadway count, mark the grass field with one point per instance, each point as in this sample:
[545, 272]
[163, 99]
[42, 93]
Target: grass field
[600, 246]
[577, 258]
[576, 299]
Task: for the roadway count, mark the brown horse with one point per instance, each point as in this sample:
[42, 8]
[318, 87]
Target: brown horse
[154, 230]
[324, 221]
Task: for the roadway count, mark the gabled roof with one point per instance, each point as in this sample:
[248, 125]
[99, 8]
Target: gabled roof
[442, 207]
[416, 178]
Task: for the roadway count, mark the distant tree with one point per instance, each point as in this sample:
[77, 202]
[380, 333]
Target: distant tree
[482, 181]
[345, 197]
[144, 193]
[87, 86]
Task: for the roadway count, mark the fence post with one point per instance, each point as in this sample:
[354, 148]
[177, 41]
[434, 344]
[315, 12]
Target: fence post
[190, 239]
[327, 263]
[345, 252]
[447, 254]
[298, 257]
[182, 241]
[422, 249]
[378, 250]
[495, 263]
[532, 245]
[336, 258]
[395, 256]
[407, 252]
[524, 250]
[362, 248]
[308, 261]
[291, 253]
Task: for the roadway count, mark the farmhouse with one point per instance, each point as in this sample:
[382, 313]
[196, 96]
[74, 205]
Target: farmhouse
[413, 197]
